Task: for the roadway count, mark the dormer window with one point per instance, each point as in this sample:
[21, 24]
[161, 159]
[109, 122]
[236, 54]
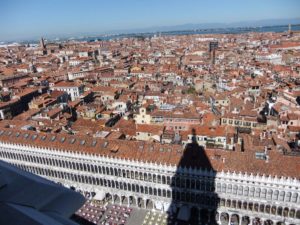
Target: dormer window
[72, 141]
[94, 143]
[104, 145]
[34, 137]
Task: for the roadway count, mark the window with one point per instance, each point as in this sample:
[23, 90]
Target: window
[43, 137]
[104, 145]
[33, 137]
[94, 143]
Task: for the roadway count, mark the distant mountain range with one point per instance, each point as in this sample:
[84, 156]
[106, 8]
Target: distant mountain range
[194, 26]
[182, 27]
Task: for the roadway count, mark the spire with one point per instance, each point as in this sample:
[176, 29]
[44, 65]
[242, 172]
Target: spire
[42, 43]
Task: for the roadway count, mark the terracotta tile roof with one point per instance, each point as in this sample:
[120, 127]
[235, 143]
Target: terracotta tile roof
[194, 156]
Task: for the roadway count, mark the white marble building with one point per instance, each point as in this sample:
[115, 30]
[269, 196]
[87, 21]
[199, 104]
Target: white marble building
[106, 170]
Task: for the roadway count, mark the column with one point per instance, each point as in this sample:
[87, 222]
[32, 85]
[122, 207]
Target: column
[219, 218]
[229, 218]
[208, 219]
[240, 219]
[145, 203]
[251, 220]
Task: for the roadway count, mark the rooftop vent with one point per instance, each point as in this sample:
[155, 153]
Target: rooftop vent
[114, 149]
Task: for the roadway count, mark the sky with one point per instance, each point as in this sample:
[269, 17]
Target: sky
[35, 18]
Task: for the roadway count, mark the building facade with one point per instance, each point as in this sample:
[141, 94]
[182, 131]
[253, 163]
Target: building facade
[103, 169]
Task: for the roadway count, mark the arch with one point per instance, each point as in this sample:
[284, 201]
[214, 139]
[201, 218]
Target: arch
[149, 204]
[240, 190]
[263, 193]
[245, 220]
[285, 212]
[262, 208]
[233, 204]
[124, 200]
[257, 221]
[294, 197]
[117, 199]
[108, 197]
[257, 192]
[140, 202]
[292, 213]
[268, 222]
[245, 205]
[281, 196]
[288, 197]
[246, 191]
[132, 201]
[252, 190]
[256, 207]
[224, 187]
[224, 218]
[228, 203]
[234, 220]
[268, 209]
[298, 214]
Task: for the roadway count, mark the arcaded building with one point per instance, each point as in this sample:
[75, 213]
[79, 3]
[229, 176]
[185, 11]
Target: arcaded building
[238, 187]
